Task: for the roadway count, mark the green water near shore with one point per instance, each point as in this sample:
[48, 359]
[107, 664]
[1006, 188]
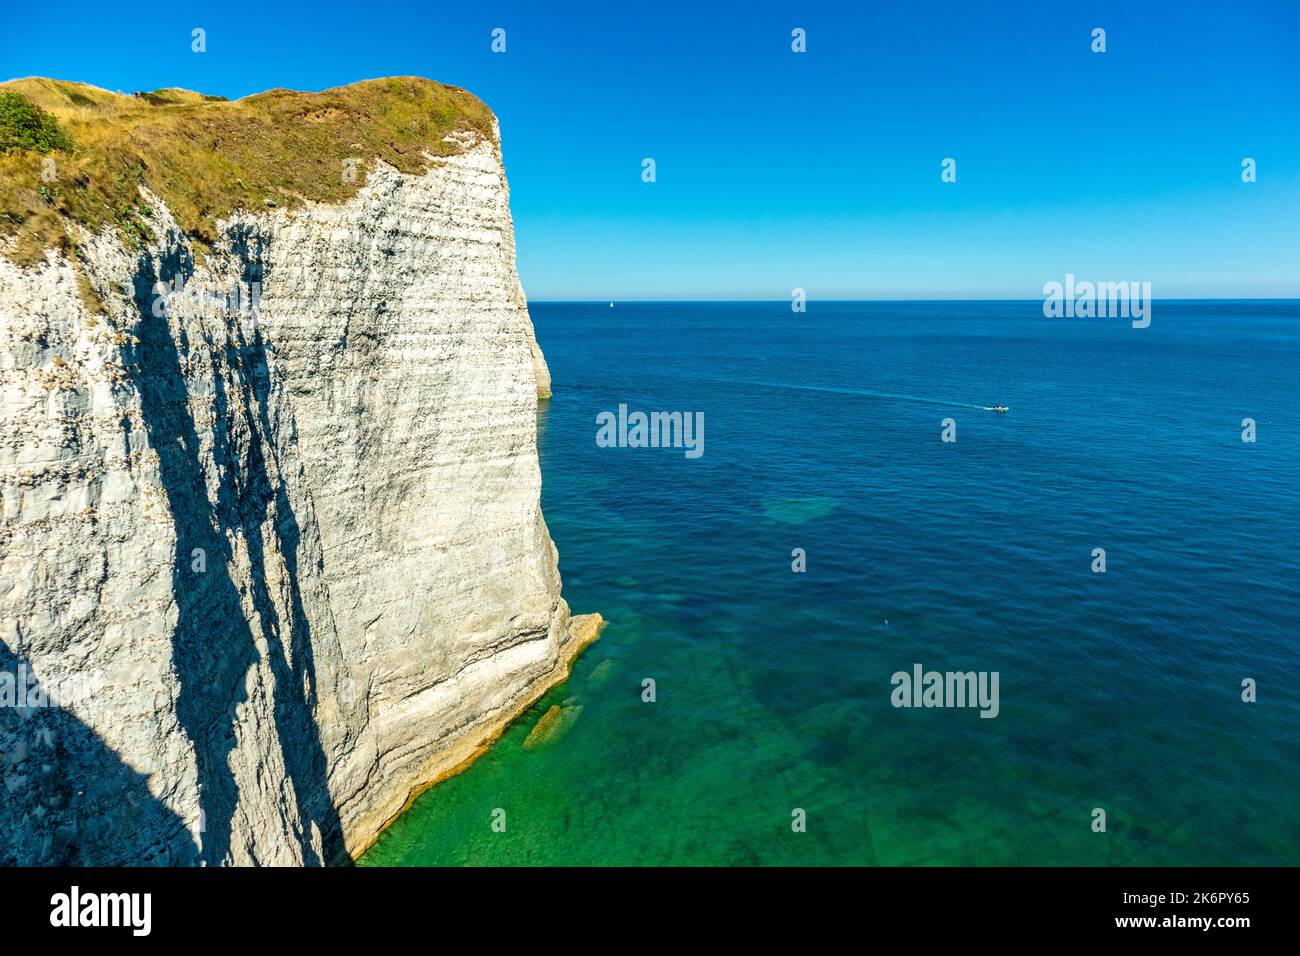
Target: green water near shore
[1119, 691]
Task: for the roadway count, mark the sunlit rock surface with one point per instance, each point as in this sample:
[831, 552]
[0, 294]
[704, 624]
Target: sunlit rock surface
[290, 559]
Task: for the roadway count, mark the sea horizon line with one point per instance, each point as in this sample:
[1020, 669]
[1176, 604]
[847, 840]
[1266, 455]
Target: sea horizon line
[786, 301]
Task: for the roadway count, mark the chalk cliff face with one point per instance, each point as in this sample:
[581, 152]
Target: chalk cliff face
[281, 556]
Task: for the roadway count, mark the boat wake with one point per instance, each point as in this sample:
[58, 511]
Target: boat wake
[865, 393]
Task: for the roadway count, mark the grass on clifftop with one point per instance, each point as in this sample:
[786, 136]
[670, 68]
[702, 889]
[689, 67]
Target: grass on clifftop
[205, 156]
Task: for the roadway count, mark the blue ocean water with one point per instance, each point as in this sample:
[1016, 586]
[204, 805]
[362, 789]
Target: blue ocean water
[1120, 690]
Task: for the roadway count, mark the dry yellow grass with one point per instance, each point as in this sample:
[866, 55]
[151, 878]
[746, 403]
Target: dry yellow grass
[207, 157]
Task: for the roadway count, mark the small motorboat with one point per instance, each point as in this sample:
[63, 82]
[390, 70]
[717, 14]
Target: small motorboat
[1000, 409]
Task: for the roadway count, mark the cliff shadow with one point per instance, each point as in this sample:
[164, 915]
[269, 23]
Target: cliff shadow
[214, 644]
[292, 656]
[68, 798]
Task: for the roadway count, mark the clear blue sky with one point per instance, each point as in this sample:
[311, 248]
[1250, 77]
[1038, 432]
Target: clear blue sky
[818, 170]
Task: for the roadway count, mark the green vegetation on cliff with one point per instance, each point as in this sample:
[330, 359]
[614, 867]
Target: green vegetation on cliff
[25, 126]
[72, 152]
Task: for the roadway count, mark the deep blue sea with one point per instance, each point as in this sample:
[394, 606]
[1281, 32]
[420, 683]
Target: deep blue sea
[1119, 691]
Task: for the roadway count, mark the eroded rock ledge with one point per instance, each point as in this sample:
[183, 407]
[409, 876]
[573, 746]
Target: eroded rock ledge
[299, 545]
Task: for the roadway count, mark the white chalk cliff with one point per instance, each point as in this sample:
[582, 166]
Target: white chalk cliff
[296, 552]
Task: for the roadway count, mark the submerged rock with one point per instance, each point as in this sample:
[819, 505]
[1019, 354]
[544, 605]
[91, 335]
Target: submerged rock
[601, 673]
[552, 725]
[798, 510]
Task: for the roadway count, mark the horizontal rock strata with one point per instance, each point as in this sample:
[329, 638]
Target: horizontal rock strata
[275, 536]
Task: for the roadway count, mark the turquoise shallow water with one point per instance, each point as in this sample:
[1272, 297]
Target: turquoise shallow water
[1119, 690]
